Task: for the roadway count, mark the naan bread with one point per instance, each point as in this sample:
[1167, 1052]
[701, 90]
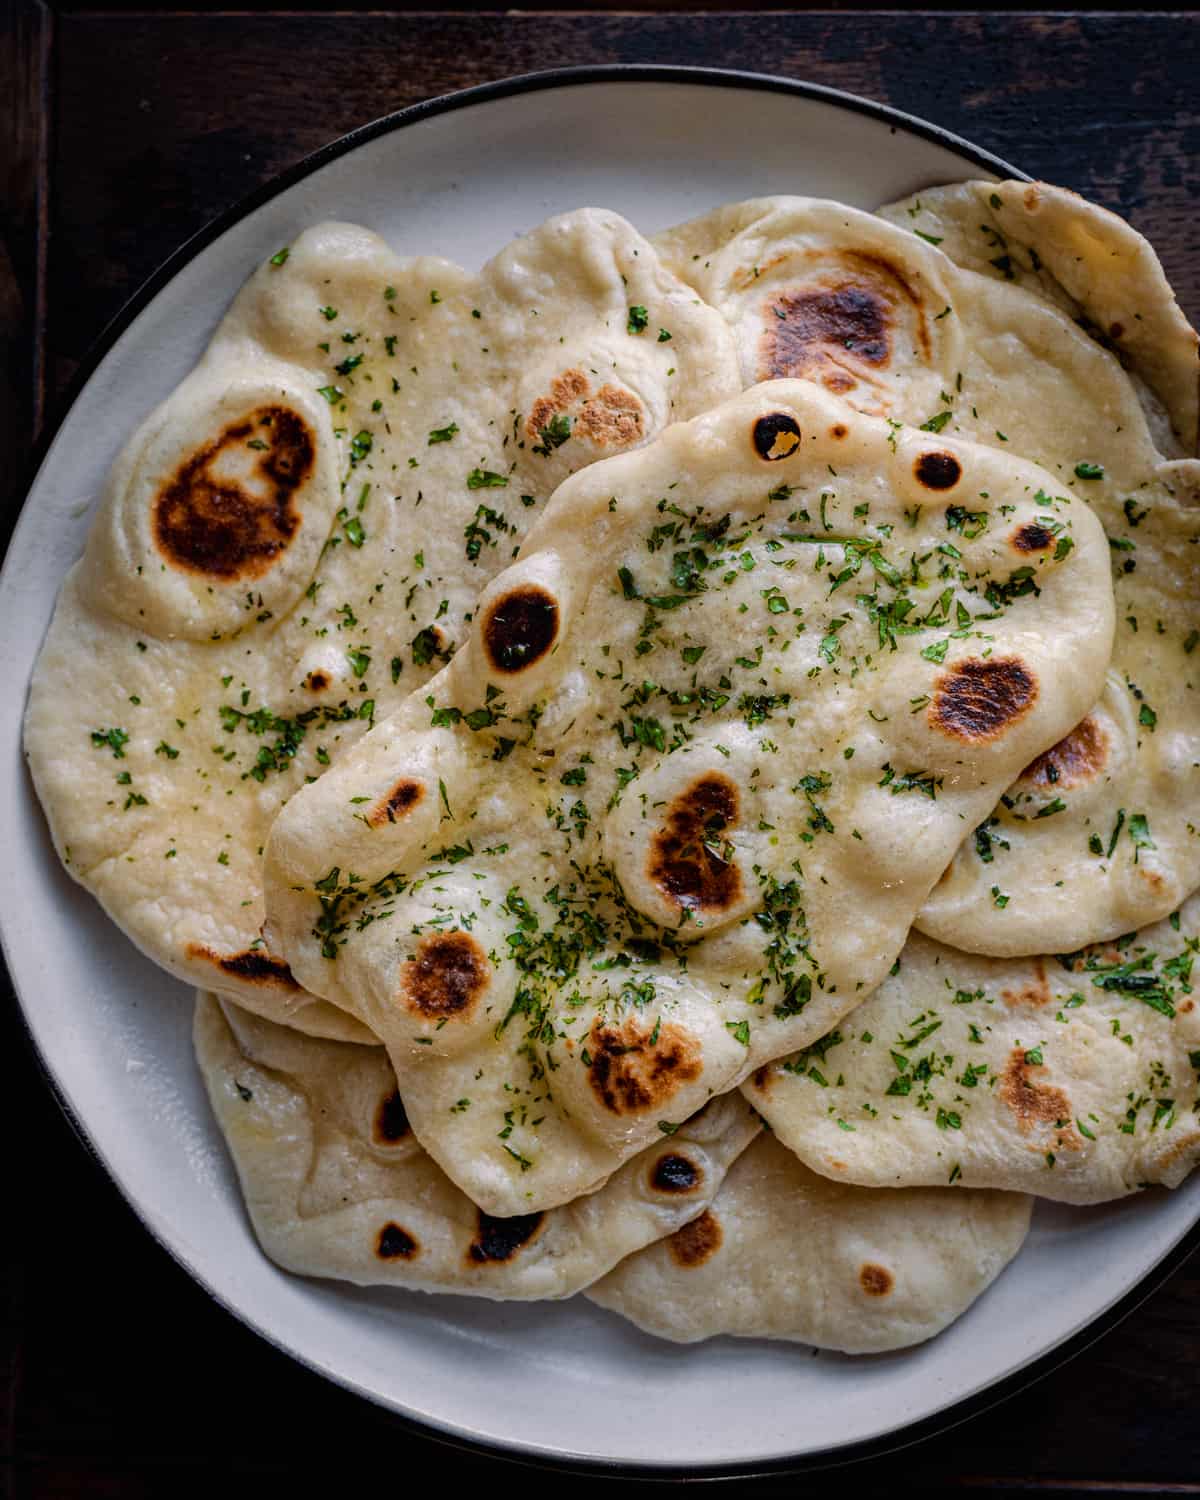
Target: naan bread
[1087, 261]
[337, 1186]
[1076, 1078]
[785, 1254]
[1089, 843]
[669, 812]
[295, 539]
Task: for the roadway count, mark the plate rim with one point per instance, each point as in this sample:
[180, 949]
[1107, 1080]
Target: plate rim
[516, 1452]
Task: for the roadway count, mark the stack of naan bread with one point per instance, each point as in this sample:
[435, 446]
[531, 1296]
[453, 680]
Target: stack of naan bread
[676, 764]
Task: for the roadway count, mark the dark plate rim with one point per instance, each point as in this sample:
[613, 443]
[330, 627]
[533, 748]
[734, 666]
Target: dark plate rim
[948, 1417]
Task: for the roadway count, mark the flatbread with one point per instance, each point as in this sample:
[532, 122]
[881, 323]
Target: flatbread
[295, 539]
[882, 315]
[785, 1254]
[336, 1185]
[1087, 261]
[670, 811]
[1073, 1077]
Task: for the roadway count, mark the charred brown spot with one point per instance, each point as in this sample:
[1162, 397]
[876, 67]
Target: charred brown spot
[977, 700]
[254, 965]
[687, 855]
[498, 1240]
[938, 470]
[520, 628]
[696, 1242]
[317, 682]
[227, 527]
[569, 386]
[810, 332]
[675, 1174]
[395, 1243]
[876, 1281]
[838, 430]
[839, 330]
[402, 798]
[447, 976]
[1037, 1106]
[391, 1120]
[1032, 537]
[1034, 991]
[763, 1078]
[635, 1069]
[1077, 759]
[565, 389]
[613, 419]
[1183, 1147]
[776, 436]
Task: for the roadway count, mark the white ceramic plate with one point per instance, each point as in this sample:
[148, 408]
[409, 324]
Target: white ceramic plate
[460, 177]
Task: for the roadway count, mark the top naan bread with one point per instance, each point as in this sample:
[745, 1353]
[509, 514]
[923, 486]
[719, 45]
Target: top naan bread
[1089, 842]
[296, 537]
[670, 810]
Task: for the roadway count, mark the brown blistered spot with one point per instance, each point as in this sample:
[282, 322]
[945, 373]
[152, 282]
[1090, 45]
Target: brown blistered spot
[806, 326]
[613, 419]
[876, 1281]
[498, 1240]
[255, 965]
[839, 331]
[395, 1243]
[570, 386]
[447, 976]
[1186, 1007]
[1115, 330]
[402, 798]
[317, 682]
[838, 430]
[937, 470]
[1037, 1106]
[776, 436]
[682, 862]
[675, 1174]
[696, 1242]
[1032, 537]
[977, 700]
[1033, 991]
[1179, 1148]
[520, 628]
[391, 1120]
[1077, 759]
[635, 1069]
[236, 527]
[762, 1078]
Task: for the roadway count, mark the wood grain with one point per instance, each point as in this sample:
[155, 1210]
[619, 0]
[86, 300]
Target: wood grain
[1105, 104]
[125, 132]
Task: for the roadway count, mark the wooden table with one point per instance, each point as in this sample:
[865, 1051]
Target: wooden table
[122, 134]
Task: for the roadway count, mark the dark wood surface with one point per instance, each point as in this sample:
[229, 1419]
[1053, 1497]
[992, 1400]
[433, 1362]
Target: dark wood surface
[120, 134]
